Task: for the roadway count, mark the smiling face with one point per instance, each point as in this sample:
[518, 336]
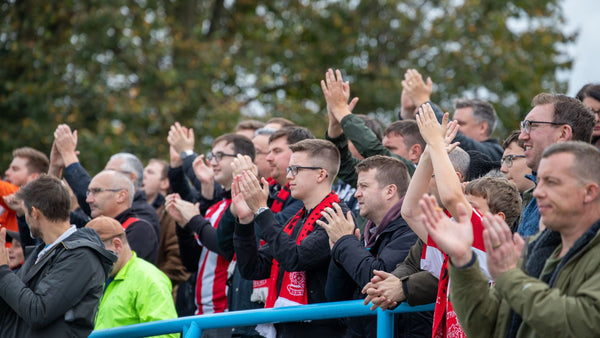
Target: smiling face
[540, 136]
[222, 168]
[516, 173]
[17, 172]
[555, 182]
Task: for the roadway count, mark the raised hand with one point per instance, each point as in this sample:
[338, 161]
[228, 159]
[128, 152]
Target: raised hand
[181, 138]
[242, 163]
[239, 207]
[337, 225]
[502, 247]
[182, 211]
[337, 94]
[454, 238]
[432, 131]
[15, 204]
[451, 130]
[254, 194]
[66, 144]
[203, 170]
[176, 160]
[418, 90]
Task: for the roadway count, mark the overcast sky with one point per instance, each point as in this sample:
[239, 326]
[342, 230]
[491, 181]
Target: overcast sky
[585, 15]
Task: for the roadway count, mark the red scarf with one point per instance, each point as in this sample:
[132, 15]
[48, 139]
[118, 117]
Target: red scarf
[293, 284]
[445, 323]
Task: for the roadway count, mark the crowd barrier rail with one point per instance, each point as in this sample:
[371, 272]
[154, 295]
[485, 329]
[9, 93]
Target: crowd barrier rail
[192, 326]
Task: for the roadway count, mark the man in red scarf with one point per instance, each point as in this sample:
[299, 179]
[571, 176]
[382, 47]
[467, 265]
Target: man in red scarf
[296, 256]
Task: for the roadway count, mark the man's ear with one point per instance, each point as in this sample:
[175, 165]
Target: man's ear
[501, 214]
[35, 212]
[566, 133]
[164, 184]
[414, 153]
[591, 192]
[390, 191]
[117, 244]
[323, 175]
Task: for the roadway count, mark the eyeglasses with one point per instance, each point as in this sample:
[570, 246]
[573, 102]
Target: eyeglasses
[508, 160]
[217, 156]
[95, 191]
[293, 170]
[526, 125]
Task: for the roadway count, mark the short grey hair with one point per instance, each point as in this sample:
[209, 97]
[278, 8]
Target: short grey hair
[483, 111]
[460, 160]
[131, 164]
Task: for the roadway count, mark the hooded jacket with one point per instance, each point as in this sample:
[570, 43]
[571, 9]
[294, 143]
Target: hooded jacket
[58, 296]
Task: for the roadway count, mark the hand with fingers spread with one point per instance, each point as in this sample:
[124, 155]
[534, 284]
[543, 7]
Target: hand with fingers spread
[239, 207]
[255, 194]
[451, 130]
[181, 138]
[384, 291]
[337, 94]
[502, 247]
[66, 144]
[203, 170]
[454, 238]
[417, 89]
[337, 224]
[432, 131]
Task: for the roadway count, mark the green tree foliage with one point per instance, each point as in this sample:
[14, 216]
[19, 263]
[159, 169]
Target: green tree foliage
[121, 72]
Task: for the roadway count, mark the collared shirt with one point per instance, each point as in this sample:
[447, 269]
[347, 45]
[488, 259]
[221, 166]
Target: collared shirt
[49, 247]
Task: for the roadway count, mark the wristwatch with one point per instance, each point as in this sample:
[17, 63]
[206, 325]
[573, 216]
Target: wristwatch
[260, 210]
[186, 153]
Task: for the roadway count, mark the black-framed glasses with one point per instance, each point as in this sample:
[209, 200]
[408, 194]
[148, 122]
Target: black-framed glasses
[218, 155]
[509, 159]
[293, 170]
[526, 125]
[95, 191]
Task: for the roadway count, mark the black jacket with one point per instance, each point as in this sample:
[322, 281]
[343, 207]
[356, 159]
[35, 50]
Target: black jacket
[312, 256]
[58, 296]
[352, 268]
[140, 235]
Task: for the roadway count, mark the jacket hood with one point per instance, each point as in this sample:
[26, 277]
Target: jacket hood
[88, 238]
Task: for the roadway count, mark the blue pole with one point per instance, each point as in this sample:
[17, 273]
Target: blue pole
[193, 331]
[385, 324]
[353, 308]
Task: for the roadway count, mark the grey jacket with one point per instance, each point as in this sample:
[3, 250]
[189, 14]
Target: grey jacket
[59, 295]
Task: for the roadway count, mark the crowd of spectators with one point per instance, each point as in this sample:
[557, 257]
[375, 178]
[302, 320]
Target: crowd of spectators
[502, 237]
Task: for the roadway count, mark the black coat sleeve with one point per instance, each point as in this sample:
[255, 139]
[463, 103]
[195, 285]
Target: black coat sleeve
[79, 180]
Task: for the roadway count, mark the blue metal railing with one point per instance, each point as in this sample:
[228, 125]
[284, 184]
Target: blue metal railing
[192, 326]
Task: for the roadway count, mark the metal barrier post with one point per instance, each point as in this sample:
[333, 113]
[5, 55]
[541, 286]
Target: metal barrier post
[385, 324]
[192, 331]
